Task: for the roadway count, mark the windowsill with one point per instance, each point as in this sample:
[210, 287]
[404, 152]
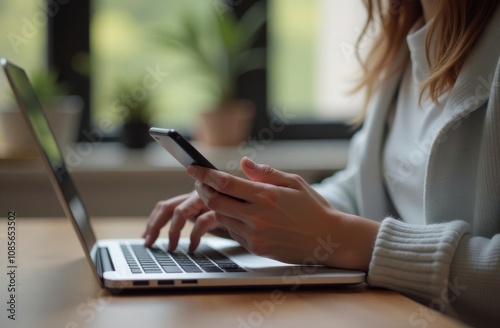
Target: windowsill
[285, 155]
[114, 180]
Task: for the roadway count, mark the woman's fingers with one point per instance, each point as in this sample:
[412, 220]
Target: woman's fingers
[219, 189]
[266, 174]
[176, 210]
[231, 224]
[203, 224]
[161, 214]
[271, 203]
[224, 183]
[190, 208]
[243, 189]
[219, 202]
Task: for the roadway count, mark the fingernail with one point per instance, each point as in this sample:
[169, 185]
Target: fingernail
[147, 239]
[249, 163]
[191, 170]
[197, 187]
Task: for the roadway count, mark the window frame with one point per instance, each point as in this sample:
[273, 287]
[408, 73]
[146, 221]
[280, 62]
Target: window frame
[69, 36]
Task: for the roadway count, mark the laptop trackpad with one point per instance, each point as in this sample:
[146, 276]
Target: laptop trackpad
[239, 254]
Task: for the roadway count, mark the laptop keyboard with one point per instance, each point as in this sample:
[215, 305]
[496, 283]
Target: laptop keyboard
[155, 260]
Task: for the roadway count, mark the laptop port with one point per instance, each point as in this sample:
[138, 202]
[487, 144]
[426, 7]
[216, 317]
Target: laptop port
[190, 281]
[165, 282]
[140, 283]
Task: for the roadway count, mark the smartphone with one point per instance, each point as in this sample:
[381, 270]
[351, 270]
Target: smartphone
[179, 147]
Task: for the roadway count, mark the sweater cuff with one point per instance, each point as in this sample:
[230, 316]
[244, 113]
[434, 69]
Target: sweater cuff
[415, 259]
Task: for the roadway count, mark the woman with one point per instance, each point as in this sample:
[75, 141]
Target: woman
[418, 205]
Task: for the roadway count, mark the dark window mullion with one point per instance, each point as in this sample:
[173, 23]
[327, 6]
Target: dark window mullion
[69, 44]
[254, 86]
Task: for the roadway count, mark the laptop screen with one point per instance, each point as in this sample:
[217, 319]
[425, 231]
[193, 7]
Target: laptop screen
[32, 111]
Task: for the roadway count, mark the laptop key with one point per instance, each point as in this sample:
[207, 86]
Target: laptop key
[148, 263]
[212, 269]
[207, 260]
[238, 269]
[228, 265]
[172, 269]
[190, 268]
[150, 267]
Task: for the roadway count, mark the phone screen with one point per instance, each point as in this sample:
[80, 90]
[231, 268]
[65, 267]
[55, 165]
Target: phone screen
[179, 147]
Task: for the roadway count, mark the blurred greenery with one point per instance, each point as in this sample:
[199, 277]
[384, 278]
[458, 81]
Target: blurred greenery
[122, 47]
[46, 86]
[228, 54]
[121, 39]
[122, 33]
[121, 44]
[134, 109]
[22, 42]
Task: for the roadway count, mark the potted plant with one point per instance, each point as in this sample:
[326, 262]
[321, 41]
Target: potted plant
[63, 111]
[136, 116]
[222, 50]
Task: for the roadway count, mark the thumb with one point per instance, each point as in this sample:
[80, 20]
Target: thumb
[265, 173]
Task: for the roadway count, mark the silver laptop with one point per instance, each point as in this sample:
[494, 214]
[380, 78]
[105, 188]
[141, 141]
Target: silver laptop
[122, 264]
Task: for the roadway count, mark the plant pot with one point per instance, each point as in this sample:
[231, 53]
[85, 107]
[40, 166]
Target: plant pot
[135, 134]
[228, 125]
[64, 119]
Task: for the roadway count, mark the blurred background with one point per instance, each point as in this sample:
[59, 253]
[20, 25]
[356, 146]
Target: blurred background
[99, 48]
[281, 69]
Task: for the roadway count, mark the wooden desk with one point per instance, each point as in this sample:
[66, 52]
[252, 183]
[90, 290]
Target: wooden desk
[56, 288]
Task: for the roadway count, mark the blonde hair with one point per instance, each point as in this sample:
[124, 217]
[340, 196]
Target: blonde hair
[457, 25]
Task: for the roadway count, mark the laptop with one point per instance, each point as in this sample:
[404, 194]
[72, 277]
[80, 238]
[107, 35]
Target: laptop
[125, 264]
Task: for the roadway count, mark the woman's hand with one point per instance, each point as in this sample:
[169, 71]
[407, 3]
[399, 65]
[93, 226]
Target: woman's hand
[278, 215]
[178, 210]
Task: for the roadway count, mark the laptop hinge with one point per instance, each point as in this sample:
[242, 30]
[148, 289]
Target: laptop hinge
[103, 261]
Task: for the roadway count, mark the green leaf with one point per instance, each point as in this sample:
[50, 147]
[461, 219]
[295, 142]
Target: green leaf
[46, 85]
[251, 23]
[249, 60]
[228, 29]
[218, 48]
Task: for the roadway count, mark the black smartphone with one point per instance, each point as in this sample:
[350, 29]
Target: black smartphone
[179, 147]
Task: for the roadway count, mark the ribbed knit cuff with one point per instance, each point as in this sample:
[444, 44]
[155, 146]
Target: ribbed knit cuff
[414, 259]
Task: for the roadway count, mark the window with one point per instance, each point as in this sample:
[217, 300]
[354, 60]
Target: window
[130, 62]
[311, 63]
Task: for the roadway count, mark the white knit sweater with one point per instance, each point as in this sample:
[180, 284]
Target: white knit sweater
[452, 262]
